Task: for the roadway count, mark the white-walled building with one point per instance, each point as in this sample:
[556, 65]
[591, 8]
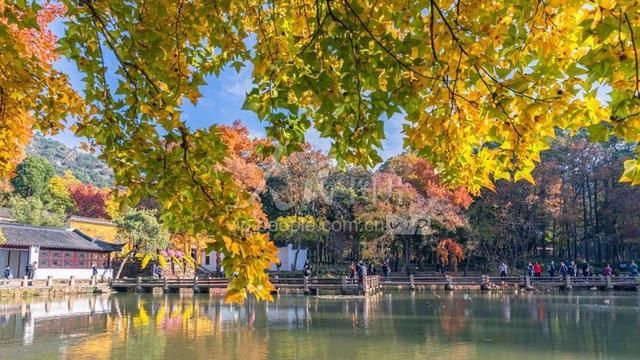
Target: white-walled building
[286, 255]
[59, 253]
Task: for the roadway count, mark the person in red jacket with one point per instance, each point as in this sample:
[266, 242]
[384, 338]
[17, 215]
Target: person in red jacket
[537, 269]
[607, 271]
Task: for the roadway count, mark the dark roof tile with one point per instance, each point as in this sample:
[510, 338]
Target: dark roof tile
[52, 238]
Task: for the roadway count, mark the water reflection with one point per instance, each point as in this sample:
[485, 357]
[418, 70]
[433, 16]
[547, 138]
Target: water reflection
[395, 325]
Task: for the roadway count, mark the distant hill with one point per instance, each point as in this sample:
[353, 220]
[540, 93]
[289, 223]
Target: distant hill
[86, 167]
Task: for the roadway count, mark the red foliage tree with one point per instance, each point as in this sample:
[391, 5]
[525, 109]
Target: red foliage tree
[90, 201]
[450, 250]
[419, 173]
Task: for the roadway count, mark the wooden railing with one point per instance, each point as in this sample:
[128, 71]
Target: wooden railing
[368, 285]
[373, 283]
[51, 282]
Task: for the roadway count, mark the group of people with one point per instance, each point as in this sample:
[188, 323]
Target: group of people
[566, 269]
[360, 269]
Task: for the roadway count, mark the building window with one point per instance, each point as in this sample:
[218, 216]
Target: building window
[56, 259]
[43, 259]
[206, 260]
[81, 260]
[69, 259]
[67, 262]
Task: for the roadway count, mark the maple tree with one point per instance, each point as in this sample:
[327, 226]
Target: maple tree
[394, 210]
[482, 86]
[424, 178]
[448, 251]
[90, 201]
[33, 95]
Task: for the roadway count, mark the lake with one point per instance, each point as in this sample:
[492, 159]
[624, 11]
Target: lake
[418, 325]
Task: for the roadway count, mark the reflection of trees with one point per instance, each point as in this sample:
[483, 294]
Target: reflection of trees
[452, 318]
[408, 326]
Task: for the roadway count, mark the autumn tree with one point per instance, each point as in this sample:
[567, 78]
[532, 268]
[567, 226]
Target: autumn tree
[482, 85]
[58, 194]
[33, 95]
[424, 178]
[90, 201]
[450, 251]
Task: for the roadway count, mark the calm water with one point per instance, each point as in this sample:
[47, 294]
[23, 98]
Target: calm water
[390, 326]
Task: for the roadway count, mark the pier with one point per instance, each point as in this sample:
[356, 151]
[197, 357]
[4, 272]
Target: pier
[370, 285]
[374, 283]
[306, 285]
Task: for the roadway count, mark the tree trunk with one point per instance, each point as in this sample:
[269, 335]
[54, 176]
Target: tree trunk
[124, 260]
[295, 258]
[405, 250]
[585, 220]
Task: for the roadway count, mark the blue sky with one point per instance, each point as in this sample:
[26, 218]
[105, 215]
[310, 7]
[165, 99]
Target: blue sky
[222, 104]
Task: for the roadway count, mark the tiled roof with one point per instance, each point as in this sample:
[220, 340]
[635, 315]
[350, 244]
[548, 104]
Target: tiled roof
[87, 220]
[52, 238]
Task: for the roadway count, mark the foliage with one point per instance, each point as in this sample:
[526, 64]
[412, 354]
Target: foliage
[141, 232]
[449, 249]
[83, 165]
[482, 85]
[578, 209]
[303, 230]
[33, 95]
[5, 191]
[89, 200]
[424, 178]
[58, 194]
[296, 183]
[32, 211]
[32, 176]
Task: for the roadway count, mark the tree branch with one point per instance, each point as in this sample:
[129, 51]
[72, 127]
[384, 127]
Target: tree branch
[636, 93]
[379, 43]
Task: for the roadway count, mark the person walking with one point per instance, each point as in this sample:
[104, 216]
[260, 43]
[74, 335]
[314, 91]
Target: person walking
[607, 271]
[361, 270]
[537, 269]
[573, 269]
[530, 269]
[386, 269]
[34, 267]
[633, 269]
[8, 273]
[154, 270]
[586, 269]
[552, 269]
[503, 270]
[352, 270]
[94, 269]
[27, 269]
[564, 270]
[306, 269]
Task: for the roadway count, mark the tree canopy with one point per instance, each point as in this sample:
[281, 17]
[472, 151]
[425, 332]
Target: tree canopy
[482, 85]
[32, 176]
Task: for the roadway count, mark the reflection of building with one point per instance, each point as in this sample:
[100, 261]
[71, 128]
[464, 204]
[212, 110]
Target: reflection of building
[286, 254]
[59, 253]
